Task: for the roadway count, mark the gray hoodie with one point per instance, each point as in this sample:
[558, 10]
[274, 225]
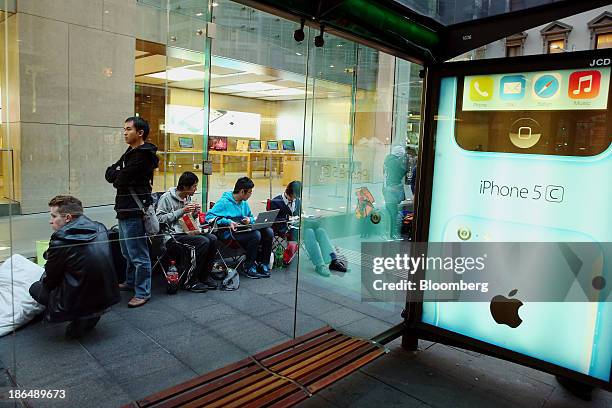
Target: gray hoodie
[170, 210]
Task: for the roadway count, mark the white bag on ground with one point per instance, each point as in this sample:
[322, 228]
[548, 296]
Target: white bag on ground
[25, 308]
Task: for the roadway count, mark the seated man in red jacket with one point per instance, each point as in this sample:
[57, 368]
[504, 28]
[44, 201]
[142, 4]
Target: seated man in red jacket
[79, 283]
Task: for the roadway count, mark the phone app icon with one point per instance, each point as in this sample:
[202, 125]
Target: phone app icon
[584, 84]
[546, 86]
[512, 87]
[481, 88]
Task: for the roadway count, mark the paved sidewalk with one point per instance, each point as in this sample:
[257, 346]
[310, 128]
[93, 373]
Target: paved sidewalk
[442, 376]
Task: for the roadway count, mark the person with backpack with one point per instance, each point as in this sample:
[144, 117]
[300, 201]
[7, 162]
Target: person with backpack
[132, 176]
[182, 229]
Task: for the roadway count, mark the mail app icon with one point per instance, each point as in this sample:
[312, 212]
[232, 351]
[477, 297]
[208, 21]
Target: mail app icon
[512, 87]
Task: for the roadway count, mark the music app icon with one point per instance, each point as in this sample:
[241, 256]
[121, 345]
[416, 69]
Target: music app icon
[584, 84]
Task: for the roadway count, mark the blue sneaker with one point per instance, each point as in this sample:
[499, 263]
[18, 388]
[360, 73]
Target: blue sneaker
[251, 272]
[263, 270]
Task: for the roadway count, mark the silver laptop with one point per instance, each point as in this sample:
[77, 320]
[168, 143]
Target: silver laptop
[264, 220]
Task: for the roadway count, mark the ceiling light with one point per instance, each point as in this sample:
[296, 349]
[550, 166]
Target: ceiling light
[178, 74]
[253, 87]
[297, 53]
[215, 4]
[199, 14]
[283, 92]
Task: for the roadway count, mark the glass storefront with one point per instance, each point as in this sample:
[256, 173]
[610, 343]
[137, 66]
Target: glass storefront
[224, 84]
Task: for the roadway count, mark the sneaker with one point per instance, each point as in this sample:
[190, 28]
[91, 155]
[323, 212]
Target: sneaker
[263, 270]
[321, 270]
[337, 265]
[197, 287]
[251, 272]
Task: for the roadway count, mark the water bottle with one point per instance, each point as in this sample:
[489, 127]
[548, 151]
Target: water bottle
[173, 278]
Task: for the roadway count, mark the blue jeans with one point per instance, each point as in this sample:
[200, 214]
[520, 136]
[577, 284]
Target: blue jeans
[135, 250]
[318, 246]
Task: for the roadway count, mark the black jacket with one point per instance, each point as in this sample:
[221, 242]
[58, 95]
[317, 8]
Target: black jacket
[133, 170]
[79, 272]
[277, 203]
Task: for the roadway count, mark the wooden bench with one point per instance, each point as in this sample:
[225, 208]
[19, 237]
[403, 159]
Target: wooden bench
[278, 377]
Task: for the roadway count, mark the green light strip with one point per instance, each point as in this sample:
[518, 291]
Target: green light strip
[384, 19]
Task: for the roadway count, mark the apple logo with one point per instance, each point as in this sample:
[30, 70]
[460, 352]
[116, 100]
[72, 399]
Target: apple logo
[505, 310]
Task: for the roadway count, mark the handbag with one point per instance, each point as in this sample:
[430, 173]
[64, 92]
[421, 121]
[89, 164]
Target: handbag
[151, 223]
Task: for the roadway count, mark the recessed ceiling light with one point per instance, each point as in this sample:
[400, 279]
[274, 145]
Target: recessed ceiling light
[331, 66]
[199, 14]
[178, 74]
[215, 4]
[297, 53]
[253, 87]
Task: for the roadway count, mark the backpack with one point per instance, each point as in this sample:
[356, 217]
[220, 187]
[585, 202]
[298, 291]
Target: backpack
[231, 280]
[227, 278]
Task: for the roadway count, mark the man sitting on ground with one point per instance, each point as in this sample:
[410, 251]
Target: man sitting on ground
[79, 283]
[231, 211]
[316, 240]
[172, 206]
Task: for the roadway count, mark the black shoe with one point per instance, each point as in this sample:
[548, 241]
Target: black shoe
[210, 284]
[337, 265]
[89, 324]
[578, 389]
[198, 287]
[75, 330]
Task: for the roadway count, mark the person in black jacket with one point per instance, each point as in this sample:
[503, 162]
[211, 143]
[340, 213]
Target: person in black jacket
[132, 176]
[316, 240]
[79, 282]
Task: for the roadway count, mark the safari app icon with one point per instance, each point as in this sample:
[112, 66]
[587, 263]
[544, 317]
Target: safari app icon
[481, 88]
[547, 86]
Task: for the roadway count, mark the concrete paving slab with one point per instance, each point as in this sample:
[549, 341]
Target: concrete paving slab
[247, 333]
[196, 347]
[367, 327]
[283, 321]
[361, 390]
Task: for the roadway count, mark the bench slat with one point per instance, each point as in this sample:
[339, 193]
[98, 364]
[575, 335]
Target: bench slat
[183, 387]
[253, 373]
[274, 377]
[291, 343]
[280, 362]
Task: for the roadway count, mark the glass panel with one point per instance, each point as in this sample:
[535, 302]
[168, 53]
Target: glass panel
[456, 11]
[257, 97]
[8, 127]
[361, 135]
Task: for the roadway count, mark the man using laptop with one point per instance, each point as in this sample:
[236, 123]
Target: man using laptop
[232, 211]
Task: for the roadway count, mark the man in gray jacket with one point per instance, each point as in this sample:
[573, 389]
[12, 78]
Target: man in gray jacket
[172, 206]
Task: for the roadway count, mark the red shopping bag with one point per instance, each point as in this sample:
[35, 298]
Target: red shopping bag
[290, 252]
